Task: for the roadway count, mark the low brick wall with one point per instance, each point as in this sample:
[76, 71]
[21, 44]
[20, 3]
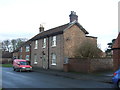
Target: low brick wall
[88, 65]
[101, 64]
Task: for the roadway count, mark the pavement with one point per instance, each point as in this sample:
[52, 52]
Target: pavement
[105, 77]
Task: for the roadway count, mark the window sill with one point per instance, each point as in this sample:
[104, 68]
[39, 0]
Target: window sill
[43, 47]
[35, 62]
[27, 51]
[53, 46]
[53, 64]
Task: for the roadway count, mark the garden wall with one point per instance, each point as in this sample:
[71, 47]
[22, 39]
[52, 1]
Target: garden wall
[88, 65]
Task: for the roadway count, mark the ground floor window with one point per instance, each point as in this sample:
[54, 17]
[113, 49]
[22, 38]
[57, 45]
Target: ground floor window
[20, 56]
[53, 59]
[27, 57]
[35, 59]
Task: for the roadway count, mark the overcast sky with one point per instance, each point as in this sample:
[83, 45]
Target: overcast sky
[22, 18]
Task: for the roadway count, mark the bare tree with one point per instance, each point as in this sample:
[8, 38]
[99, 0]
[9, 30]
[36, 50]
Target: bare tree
[5, 45]
[11, 45]
[20, 41]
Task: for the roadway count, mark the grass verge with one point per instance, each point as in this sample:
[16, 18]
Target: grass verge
[6, 65]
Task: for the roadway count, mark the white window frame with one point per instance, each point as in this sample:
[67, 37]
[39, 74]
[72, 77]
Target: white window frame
[36, 44]
[27, 48]
[44, 43]
[35, 59]
[54, 59]
[54, 41]
[21, 49]
[27, 57]
[20, 56]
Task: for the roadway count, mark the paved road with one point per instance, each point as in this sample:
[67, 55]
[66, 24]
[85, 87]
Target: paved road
[11, 79]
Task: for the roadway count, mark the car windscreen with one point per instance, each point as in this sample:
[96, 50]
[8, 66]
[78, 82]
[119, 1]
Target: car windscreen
[24, 63]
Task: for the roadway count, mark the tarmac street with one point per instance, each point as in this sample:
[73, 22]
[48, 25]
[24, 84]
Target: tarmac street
[12, 79]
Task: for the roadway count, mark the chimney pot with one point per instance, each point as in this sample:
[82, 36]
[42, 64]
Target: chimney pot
[41, 29]
[73, 16]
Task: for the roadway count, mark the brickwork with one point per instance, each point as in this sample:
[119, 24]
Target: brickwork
[116, 53]
[65, 47]
[88, 65]
[116, 58]
[73, 38]
[24, 53]
[58, 50]
[101, 64]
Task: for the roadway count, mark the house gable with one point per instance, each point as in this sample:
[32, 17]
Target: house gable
[73, 37]
[76, 23]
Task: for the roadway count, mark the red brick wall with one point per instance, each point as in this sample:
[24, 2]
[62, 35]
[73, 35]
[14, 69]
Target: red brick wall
[88, 65]
[24, 53]
[79, 65]
[116, 58]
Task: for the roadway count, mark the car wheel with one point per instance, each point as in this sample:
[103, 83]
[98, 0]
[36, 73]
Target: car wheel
[14, 69]
[118, 85]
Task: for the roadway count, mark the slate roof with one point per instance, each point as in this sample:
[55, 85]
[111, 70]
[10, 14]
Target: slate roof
[52, 32]
[57, 30]
[116, 45]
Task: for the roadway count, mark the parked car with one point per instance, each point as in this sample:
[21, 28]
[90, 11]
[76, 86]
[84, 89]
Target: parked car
[116, 78]
[21, 65]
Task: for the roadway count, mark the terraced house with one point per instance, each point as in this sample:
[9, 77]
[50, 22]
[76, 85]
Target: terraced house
[23, 52]
[51, 48]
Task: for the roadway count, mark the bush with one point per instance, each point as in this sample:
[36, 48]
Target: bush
[87, 50]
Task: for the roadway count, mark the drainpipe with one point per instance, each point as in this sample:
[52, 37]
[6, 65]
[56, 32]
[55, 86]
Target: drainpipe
[48, 51]
[30, 54]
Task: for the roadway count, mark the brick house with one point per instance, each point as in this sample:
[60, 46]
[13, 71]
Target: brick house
[23, 52]
[116, 53]
[50, 49]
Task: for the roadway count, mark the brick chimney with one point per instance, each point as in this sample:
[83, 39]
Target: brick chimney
[73, 16]
[41, 29]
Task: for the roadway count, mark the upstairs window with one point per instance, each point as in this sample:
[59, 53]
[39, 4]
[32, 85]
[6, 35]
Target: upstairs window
[27, 48]
[53, 42]
[36, 44]
[20, 56]
[21, 49]
[44, 43]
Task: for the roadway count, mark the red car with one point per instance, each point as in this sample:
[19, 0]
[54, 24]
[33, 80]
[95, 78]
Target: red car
[21, 65]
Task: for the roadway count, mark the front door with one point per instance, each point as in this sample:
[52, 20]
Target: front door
[44, 62]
